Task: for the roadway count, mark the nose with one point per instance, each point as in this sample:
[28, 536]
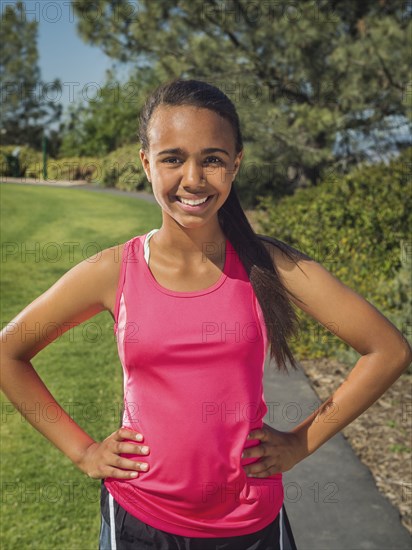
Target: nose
[192, 174]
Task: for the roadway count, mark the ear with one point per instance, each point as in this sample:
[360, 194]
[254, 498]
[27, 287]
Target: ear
[145, 163]
[237, 162]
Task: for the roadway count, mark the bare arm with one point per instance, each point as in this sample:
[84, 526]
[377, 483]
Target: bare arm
[385, 354]
[85, 290]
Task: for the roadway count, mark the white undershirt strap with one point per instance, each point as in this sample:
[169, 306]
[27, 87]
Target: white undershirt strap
[146, 245]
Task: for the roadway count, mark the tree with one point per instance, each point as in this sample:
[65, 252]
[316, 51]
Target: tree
[26, 109]
[108, 121]
[310, 78]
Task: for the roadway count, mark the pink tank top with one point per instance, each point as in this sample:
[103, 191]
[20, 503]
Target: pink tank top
[193, 367]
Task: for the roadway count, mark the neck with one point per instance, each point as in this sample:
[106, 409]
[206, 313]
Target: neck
[182, 242]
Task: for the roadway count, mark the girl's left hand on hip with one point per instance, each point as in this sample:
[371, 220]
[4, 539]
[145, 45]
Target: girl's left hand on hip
[278, 452]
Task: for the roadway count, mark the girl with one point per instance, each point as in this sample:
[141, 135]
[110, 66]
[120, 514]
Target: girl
[196, 305]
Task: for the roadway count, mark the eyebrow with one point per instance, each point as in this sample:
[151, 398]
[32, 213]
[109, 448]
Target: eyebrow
[179, 151]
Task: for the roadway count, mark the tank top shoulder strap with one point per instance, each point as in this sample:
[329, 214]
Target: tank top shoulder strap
[130, 254]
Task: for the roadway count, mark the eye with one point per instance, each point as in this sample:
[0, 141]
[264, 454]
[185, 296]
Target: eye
[213, 160]
[171, 160]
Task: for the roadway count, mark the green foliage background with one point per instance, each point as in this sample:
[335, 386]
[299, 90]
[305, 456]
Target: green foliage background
[358, 227]
[121, 168]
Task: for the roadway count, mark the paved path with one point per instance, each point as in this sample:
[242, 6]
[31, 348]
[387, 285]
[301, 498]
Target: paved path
[330, 497]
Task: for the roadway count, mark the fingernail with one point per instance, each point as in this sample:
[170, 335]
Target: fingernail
[145, 449]
[139, 437]
[144, 466]
[134, 474]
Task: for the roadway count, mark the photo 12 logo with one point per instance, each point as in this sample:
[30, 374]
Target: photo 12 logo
[68, 10]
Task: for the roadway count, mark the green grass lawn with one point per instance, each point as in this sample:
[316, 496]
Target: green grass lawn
[46, 501]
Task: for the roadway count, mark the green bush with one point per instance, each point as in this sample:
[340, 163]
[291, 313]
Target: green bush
[75, 168]
[357, 227]
[122, 169]
[31, 165]
[27, 157]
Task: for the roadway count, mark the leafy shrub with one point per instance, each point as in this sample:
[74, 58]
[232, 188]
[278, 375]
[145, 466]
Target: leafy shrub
[357, 227]
[27, 157]
[75, 168]
[122, 169]
[31, 165]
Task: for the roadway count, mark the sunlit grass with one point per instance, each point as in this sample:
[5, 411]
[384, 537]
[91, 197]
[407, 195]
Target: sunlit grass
[47, 502]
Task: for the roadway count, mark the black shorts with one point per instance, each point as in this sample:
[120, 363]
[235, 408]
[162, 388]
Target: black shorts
[121, 531]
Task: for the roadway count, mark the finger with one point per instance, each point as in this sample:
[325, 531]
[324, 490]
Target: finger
[253, 452]
[111, 471]
[125, 433]
[130, 448]
[123, 468]
[255, 468]
[262, 468]
[104, 471]
[127, 464]
[256, 434]
[268, 472]
[258, 474]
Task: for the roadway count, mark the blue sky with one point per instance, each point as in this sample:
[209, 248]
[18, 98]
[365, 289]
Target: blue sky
[63, 54]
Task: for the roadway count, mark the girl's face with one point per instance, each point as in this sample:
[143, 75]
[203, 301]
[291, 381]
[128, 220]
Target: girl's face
[191, 156]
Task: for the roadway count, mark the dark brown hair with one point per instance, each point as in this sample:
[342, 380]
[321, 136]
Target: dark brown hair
[280, 318]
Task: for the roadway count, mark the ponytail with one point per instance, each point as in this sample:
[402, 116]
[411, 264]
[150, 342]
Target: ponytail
[280, 318]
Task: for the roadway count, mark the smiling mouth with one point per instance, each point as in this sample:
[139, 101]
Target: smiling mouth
[190, 202]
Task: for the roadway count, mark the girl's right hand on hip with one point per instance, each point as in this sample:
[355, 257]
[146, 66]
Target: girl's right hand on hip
[101, 460]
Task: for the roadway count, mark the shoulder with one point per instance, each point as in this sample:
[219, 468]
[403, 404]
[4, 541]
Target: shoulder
[336, 306]
[95, 278]
[104, 271]
[303, 277]
[106, 263]
[284, 256]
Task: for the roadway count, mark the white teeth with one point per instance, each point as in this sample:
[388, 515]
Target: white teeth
[192, 203]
